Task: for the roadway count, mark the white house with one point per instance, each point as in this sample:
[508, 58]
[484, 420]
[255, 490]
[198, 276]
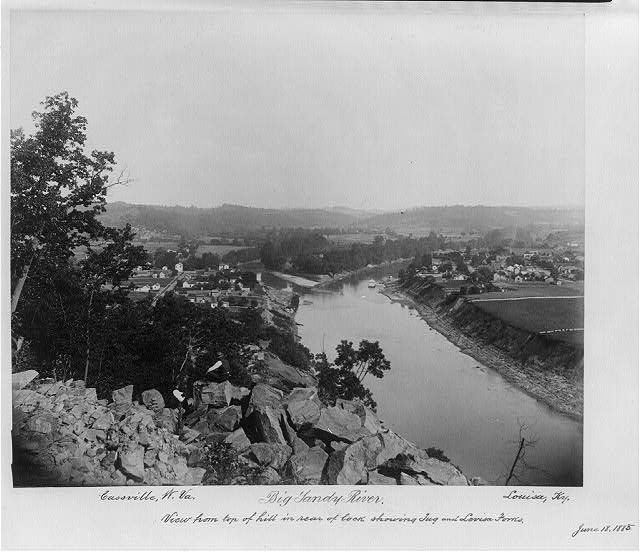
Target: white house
[165, 268]
[179, 267]
[186, 285]
[155, 287]
[143, 289]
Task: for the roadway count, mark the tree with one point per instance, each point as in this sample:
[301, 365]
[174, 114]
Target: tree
[57, 193]
[57, 190]
[343, 379]
[483, 274]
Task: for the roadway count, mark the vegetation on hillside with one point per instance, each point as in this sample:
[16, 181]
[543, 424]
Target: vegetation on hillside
[344, 377]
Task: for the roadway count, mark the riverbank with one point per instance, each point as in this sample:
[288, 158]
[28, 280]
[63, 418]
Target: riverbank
[548, 387]
[364, 271]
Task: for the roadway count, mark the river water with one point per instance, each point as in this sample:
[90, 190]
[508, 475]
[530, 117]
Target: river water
[435, 395]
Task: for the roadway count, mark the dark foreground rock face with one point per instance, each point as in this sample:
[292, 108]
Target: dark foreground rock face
[66, 436]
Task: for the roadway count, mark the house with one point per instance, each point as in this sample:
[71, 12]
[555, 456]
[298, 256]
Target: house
[186, 285]
[155, 287]
[143, 289]
[163, 274]
[223, 267]
[165, 268]
[518, 279]
[179, 267]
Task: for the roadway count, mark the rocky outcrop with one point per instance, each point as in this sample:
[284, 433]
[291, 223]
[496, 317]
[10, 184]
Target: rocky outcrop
[64, 435]
[278, 436]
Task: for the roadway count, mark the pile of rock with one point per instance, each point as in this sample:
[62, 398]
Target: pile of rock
[294, 438]
[283, 436]
[66, 436]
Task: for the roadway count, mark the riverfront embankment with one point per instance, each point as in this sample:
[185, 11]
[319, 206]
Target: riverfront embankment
[360, 272]
[541, 378]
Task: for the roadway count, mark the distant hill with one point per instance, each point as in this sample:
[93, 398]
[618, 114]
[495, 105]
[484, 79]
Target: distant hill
[196, 221]
[472, 218]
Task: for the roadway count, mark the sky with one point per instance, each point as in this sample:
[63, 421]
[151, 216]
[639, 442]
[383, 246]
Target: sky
[376, 107]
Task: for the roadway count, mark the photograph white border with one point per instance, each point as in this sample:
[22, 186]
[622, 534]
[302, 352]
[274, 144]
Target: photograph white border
[76, 518]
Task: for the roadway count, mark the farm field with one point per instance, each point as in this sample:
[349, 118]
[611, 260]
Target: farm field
[541, 314]
[348, 239]
[152, 246]
[219, 250]
[535, 290]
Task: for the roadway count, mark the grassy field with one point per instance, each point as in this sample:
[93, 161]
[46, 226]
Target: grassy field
[151, 246]
[219, 250]
[348, 239]
[536, 289]
[542, 314]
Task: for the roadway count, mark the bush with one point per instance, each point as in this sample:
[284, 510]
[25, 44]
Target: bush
[438, 454]
[224, 467]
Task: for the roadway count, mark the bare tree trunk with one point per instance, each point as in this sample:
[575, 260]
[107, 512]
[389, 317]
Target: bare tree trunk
[515, 461]
[15, 296]
[86, 364]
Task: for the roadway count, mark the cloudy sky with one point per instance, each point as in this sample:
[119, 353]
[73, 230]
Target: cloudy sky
[364, 106]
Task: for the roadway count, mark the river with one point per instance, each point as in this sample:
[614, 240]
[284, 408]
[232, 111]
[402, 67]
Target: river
[437, 396]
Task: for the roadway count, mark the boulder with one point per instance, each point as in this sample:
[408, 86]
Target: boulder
[303, 412]
[391, 444]
[273, 455]
[217, 395]
[339, 423]
[150, 457]
[306, 468]
[91, 395]
[202, 427]
[122, 400]
[269, 476]
[167, 419]
[226, 419]
[417, 462]
[264, 395]
[189, 435]
[266, 423]
[123, 396]
[42, 423]
[369, 420]
[22, 379]
[299, 446]
[406, 479]
[239, 393]
[301, 394]
[196, 475]
[131, 463]
[351, 464]
[375, 478]
[196, 415]
[153, 400]
[478, 482]
[238, 440]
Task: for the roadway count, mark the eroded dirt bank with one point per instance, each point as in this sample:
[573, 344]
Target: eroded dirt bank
[550, 371]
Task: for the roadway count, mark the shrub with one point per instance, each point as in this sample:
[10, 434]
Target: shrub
[224, 467]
